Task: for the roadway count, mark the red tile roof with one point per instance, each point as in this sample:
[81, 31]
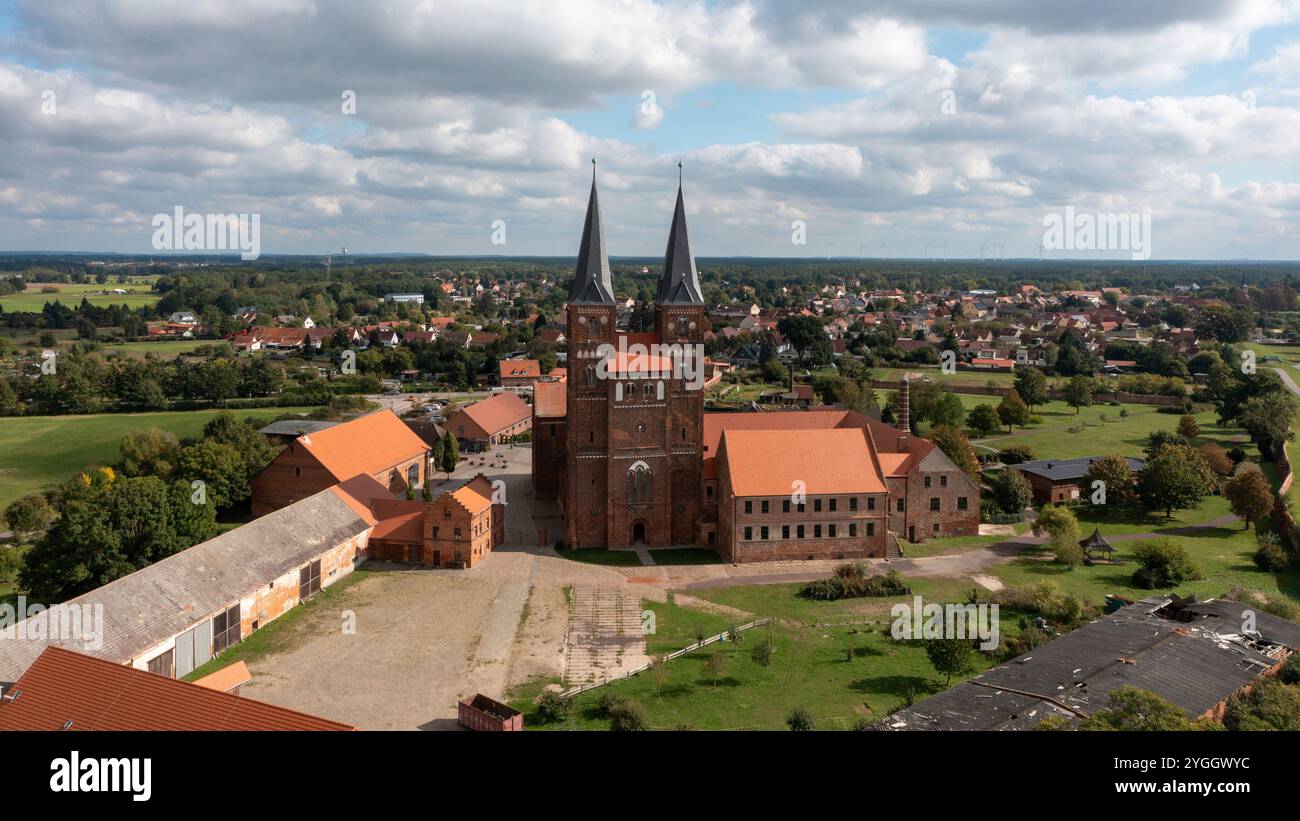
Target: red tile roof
[771, 462]
[497, 413]
[63, 689]
[367, 444]
[520, 369]
[550, 399]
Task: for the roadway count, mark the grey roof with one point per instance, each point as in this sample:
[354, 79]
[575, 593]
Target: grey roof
[1194, 664]
[680, 283]
[149, 606]
[1062, 469]
[591, 280]
[295, 427]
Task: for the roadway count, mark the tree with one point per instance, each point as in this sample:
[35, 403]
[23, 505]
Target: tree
[1217, 458]
[1162, 564]
[1267, 419]
[1031, 384]
[1159, 438]
[761, 654]
[801, 331]
[1177, 477]
[659, 674]
[1079, 392]
[983, 419]
[1223, 324]
[1013, 411]
[30, 514]
[1117, 476]
[799, 720]
[1061, 527]
[716, 665]
[552, 707]
[1131, 708]
[450, 454]
[220, 467]
[149, 451]
[1011, 490]
[1249, 494]
[950, 657]
[958, 448]
[1187, 427]
[948, 410]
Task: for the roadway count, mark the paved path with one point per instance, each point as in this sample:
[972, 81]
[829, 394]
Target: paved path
[1288, 381]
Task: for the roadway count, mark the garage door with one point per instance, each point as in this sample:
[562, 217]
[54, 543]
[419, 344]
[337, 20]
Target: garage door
[193, 649]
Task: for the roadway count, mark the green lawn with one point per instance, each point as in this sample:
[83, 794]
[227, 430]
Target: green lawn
[1053, 439]
[839, 674]
[956, 544]
[953, 380]
[163, 350]
[599, 555]
[1222, 554]
[37, 452]
[139, 295]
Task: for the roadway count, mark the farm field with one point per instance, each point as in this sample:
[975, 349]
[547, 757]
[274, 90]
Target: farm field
[33, 299]
[956, 380]
[37, 452]
[841, 674]
[163, 350]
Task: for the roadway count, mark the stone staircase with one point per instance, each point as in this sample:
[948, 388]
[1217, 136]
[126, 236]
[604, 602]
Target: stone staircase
[892, 548]
[605, 636]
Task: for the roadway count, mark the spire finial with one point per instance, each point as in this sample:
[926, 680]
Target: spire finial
[593, 169]
[679, 173]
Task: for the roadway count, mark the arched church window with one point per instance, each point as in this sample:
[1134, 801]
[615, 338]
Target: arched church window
[649, 390]
[638, 484]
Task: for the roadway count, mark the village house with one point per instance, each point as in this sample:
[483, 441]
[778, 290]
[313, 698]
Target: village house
[456, 530]
[516, 374]
[378, 445]
[1061, 480]
[486, 423]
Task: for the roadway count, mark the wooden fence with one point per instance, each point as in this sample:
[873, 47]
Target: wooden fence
[573, 691]
[1282, 515]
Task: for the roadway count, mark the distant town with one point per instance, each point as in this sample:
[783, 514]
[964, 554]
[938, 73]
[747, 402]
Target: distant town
[504, 494]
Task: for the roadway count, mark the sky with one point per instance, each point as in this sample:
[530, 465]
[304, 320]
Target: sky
[901, 128]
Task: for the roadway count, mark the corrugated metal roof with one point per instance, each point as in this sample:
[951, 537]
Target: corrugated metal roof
[168, 597]
[1191, 664]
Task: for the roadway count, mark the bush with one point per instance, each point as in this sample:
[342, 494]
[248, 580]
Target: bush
[1016, 454]
[1269, 556]
[851, 582]
[627, 716]
[799, 719]
[554, 707]
[1163, 564]
[1290, 672]
[610, 703]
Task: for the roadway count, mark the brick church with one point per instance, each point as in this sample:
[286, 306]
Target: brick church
[625, 446]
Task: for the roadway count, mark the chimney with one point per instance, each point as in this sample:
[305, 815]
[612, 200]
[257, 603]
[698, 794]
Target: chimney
[904, 412]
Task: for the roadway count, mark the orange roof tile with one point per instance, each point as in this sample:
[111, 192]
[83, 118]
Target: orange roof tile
[497, 413]
[520, 369]
[227, 678]
[367, 444]
[550, 399]
[716, 423]
[360, 493]
[770, 462]
[476, 495]
[66, 689]
[399, 520]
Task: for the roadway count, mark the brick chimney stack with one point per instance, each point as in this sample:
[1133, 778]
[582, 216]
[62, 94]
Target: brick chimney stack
[904, 412]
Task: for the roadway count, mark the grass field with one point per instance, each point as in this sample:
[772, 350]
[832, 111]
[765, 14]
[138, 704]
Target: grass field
[33, 299]
[163, 350]
[953, 380]
[37, 452]
[1128, 435]
[840, 674]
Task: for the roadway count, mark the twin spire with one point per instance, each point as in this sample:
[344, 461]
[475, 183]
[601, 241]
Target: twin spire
[678, 285]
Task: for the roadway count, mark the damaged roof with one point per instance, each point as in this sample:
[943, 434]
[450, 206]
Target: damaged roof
[1196, 664]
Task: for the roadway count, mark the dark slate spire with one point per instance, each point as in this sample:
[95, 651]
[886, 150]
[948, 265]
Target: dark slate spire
[591, 281]
[680, 284]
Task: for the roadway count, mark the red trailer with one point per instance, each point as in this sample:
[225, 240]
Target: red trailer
[487, 714]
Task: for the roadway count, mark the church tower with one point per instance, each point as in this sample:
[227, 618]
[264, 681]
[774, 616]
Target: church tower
[680, 322]
[591, 318]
